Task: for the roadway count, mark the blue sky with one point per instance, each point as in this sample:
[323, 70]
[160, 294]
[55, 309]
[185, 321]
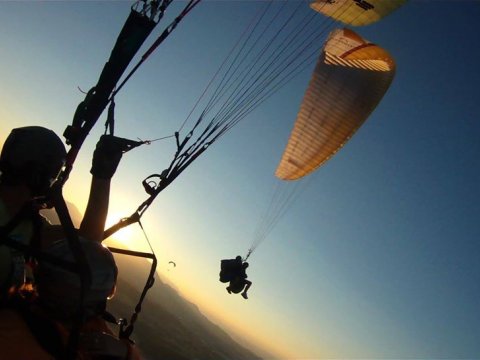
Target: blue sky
[377, 258]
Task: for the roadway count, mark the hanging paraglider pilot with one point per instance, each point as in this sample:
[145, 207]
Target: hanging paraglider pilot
[234, 271]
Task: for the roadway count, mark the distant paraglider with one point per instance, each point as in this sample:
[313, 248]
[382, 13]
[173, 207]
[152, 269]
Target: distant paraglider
[234, 271]
[171, 265]
[350, 78]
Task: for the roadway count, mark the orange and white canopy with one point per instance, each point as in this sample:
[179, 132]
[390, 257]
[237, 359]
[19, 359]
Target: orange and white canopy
[348, 82]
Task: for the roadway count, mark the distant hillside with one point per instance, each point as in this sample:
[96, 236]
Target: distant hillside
[169, 327]
[52, 216]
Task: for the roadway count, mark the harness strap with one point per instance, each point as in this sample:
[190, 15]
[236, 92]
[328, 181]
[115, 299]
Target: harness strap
[110, 122]
[126, 329]
[36, 239]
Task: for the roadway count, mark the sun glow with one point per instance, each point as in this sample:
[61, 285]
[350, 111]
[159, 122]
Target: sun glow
[125, 235]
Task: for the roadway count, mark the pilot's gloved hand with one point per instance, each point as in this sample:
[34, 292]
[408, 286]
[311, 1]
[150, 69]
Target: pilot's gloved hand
[107, 156]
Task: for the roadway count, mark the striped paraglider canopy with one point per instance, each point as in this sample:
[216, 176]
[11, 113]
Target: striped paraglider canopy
[349, 80]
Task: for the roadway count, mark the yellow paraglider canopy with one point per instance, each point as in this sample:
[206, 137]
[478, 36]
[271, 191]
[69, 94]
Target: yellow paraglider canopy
[348, 82]
[356, 12]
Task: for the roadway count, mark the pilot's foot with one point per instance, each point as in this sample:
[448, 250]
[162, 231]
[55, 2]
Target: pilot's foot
[244, 294]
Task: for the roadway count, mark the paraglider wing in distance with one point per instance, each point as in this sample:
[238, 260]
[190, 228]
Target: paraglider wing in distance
[171, 262]
[356, 12]
[349, 80]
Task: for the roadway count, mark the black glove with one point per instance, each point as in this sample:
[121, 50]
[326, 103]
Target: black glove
[107, 155]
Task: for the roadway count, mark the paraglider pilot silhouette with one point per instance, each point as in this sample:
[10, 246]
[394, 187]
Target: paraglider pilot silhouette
[234, 271]
[30, 160]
